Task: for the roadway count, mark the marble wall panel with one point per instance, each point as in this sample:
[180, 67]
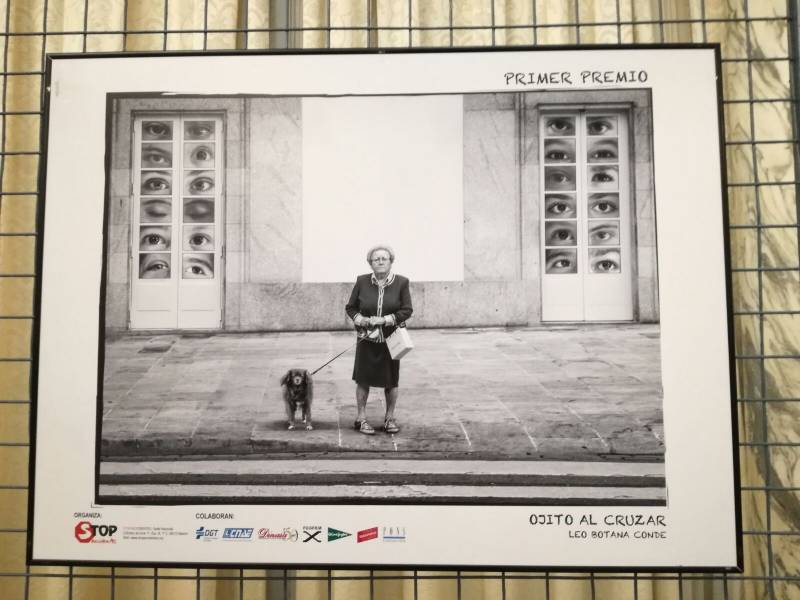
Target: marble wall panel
[740, 164]
[769, 38]
[748, 335]
[749, 380]
[491, 195]
[118, 239]
[117, 265]
[778, 205]
[779, 248]
[772, 121]
[274, 190]
[744, 251]
[751, 427]
[771, 79]
[779, 290]
[782, 378]
[117, 300]
[471, 303]
[119, 210]
[775, 162]
[293, 306]
[742, 204]
[745, 291]
[783, 422]
[309, 306]
[737, 122]
[234, 209]
[782, 334]
[734, 81]
[647, 300]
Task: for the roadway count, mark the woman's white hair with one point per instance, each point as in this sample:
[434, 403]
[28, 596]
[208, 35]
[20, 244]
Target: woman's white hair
[374, 249]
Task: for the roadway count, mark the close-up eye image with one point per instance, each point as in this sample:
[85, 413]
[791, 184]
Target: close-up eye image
[601, 126]
[154, 266]
[604, 261]
[561, 261]
[156, 183]
[155, 210]
[559, 179]
[198, 237]
[603, 178]
[156, 156]
[157, 130]
[559, 151]
[199, 155]
[154, 238]
[198, 266]
[603, 150]
[198, 210]
[199, 130]
[604, 233]
[559, 126]
[560, 233]
[199, 183]
[603, 205]
[559, 206]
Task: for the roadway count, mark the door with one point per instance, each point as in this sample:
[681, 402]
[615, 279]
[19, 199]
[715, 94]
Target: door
[586, 240]
[176, 232]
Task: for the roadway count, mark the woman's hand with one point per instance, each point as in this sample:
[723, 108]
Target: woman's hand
[376, 321]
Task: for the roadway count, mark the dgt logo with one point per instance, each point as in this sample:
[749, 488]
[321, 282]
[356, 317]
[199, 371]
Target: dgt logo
[86, 532]
[205, 534]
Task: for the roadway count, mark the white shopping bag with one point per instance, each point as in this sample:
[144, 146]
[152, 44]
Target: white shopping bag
[399, 343]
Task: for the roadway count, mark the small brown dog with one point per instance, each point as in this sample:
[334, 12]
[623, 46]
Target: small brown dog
[298, 392]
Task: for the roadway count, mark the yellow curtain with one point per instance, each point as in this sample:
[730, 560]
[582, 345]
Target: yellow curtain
[58, 26]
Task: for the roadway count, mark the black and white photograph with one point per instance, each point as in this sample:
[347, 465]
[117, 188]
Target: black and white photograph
[418, 297]
[510, 236]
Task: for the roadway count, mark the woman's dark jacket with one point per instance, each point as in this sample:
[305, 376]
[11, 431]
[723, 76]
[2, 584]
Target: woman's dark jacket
[396, 300]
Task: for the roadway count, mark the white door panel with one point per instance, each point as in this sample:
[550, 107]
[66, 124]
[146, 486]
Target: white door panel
[176, 252]
[586, 216]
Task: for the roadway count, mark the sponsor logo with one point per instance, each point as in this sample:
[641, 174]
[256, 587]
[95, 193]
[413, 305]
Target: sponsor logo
[88, 532]
[287, 534]
[366, 535]
[206, 534]
[394, 534]
[237, 533]
[312, 533]
[335, 534]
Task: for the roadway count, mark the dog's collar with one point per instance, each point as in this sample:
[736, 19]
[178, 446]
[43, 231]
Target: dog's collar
[388, 281]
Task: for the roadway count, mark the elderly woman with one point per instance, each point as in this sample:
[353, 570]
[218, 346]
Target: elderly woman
[379, 303]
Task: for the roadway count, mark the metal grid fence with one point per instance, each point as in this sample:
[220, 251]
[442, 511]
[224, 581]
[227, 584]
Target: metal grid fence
[759, 49]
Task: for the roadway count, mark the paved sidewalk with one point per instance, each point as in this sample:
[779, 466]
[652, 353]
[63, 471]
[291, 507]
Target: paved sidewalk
[585, 393]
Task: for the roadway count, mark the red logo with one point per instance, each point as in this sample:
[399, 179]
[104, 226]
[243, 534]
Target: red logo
[84, 532]
[366, 535]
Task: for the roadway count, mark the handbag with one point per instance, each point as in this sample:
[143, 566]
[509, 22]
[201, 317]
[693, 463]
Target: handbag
[399, 343]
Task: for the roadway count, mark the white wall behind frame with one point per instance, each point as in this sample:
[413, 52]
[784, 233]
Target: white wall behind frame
[383, 169]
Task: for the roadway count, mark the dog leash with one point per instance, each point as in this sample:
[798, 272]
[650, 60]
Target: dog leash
[338, 355]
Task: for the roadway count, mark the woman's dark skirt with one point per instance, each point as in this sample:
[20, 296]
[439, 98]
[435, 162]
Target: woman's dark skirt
[374, 366]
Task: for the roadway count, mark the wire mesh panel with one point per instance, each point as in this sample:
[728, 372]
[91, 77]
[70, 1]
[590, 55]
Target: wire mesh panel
[759, 56]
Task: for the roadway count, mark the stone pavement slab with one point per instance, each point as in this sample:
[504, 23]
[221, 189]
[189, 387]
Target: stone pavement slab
[577, 393]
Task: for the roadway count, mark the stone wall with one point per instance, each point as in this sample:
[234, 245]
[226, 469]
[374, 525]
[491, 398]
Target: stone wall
[263, 288]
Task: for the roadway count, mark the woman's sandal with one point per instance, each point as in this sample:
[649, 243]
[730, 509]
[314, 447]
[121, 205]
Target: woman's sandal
[364, 427]
[390, 426]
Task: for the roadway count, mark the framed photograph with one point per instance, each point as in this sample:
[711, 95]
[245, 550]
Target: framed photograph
[433, 309]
